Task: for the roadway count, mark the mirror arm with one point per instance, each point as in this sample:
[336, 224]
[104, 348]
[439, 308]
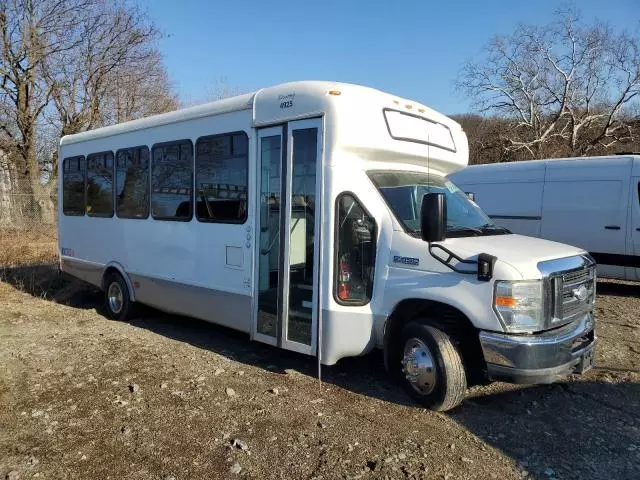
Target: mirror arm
[451, 256]
[485, 262]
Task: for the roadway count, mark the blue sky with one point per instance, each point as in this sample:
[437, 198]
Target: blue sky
[410, 48]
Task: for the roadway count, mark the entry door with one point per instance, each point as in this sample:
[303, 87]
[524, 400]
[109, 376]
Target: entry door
[288, 256]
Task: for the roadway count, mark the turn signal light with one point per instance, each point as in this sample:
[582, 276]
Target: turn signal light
[508, 302]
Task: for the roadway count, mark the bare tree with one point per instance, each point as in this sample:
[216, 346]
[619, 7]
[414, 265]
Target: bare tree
[112, 68]
[68, 66]
[564, 88]
[114, 74]
[138, 89]
[30, 32]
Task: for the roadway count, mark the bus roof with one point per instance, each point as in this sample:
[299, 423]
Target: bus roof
[265, 111]
[364, 121]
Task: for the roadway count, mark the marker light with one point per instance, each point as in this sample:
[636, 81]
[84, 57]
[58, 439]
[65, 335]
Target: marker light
[508, 302]
[335, 92]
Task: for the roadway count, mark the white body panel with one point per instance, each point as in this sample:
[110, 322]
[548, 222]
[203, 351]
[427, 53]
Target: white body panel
[225, 273]
[588, 202]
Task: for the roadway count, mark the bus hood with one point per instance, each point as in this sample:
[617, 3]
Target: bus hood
[521, 252]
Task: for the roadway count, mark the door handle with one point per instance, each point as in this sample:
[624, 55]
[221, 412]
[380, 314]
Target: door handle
[638, 229]
[612, 227]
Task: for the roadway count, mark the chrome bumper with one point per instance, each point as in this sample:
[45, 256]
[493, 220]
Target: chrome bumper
[539, 358]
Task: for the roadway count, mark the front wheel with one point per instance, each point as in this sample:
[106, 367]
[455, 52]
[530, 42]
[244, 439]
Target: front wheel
[430, 367]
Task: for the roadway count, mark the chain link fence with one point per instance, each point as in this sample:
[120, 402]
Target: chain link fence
[28, 230]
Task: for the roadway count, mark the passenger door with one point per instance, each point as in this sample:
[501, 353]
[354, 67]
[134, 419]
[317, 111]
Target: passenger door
[586, 206]
[288, 224]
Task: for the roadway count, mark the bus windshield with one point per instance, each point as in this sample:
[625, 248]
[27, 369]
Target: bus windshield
[403, 192]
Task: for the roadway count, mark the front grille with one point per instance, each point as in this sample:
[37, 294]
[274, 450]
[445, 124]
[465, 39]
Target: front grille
[574, 295]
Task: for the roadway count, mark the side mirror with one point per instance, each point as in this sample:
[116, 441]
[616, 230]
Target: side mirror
[433, 217]
[471, 196]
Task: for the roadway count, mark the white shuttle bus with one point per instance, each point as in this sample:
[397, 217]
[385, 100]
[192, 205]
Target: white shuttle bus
[317, 217]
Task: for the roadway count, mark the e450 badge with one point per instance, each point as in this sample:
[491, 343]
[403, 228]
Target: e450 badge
[406, 260]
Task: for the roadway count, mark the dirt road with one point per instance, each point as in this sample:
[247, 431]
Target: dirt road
[166, 398]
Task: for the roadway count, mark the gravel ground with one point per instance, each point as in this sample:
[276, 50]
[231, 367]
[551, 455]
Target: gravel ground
[166, 398]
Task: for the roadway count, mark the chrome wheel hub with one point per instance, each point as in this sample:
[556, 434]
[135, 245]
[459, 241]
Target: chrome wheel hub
[418, 366]
[115, 297]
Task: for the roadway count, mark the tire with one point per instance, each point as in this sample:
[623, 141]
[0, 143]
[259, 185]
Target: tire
[429, 367]
[117, 303]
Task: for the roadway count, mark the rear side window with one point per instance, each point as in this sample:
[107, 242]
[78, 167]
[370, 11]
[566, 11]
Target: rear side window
[73, 173]
[172, 180]
[222, 172]
[100, 184]
[356, 234]
[132, 183]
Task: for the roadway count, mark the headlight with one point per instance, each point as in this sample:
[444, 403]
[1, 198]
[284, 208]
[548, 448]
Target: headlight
[519, 305]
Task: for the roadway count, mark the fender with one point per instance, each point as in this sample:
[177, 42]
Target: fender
[127, 280]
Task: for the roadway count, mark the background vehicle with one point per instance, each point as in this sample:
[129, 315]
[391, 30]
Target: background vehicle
[323, 224]
[593, 203]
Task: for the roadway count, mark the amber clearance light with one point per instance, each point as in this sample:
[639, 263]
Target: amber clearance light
[508, 302]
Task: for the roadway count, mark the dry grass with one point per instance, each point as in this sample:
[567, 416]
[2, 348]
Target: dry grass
[28, 247]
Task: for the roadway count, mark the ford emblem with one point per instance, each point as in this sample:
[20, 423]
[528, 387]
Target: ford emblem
[581, 293]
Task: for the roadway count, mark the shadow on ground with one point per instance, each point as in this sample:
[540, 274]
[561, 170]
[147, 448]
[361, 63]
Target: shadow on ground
[586, 427]
[46, 282]
[618, 288]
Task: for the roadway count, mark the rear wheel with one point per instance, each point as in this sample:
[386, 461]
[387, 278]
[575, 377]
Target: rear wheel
[430, 367]
[118, 304]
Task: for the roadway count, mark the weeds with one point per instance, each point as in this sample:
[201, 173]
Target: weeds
[20, 247]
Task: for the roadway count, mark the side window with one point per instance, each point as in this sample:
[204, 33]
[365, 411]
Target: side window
[356, 234]
[132, 183]
[73, 170]
[222, 171]
[100, 184]
[172, 180]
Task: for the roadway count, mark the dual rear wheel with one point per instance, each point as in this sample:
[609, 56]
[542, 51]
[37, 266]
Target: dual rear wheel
[118, 304]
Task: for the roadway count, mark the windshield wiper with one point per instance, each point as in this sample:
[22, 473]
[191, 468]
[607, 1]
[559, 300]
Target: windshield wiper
[492, 227]
[462, 229]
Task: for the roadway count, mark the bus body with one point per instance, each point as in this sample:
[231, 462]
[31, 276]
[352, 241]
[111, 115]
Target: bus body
[297, 214]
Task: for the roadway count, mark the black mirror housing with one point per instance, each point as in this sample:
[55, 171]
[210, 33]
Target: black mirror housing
[471, 196]
[485, 266]
[433, 217]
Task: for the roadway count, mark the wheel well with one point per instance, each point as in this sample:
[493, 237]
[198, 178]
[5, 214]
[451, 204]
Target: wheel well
[108, 272]
[445, 317]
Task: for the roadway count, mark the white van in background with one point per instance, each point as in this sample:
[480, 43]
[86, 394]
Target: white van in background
[593, 203]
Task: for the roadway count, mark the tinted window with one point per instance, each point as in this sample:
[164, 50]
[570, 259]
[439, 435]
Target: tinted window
[356, 235]
[172, 180]
[100, 184]
[132, 183]
[222, 169]
[73, 169]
